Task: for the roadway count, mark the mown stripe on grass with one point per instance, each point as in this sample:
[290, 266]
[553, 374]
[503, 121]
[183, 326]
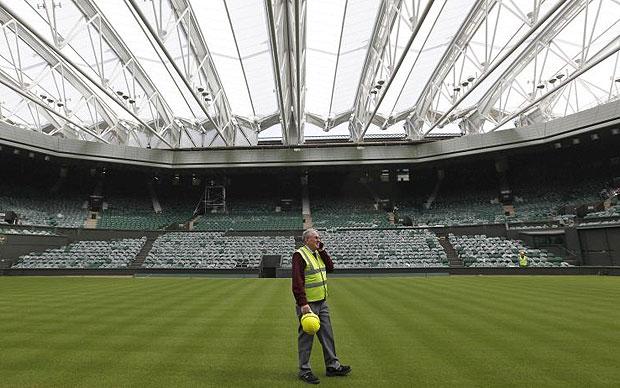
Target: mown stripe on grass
[445, 331]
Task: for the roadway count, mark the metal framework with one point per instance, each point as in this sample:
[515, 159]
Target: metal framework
[75, 77]
[485, 108]
[129, 81]
[488, 70]
[609, 50]
[417, 22]
[287, 36]
[51, 85]
[51, 54]
[387, 16]
[435, 84]
[36, 107]
[195, 67]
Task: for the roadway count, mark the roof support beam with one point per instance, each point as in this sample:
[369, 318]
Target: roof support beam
[54, 57]
[551, 30]
[55, 70]
[201, 74]
[287, 35]
[496, 64]
[418, 24]
[609, 50]
[468, 29]
[386, 16]
[49, 111]
[152, 97]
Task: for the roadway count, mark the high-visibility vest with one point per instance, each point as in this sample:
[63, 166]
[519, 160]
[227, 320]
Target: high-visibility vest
[315, 275]
[522, 261]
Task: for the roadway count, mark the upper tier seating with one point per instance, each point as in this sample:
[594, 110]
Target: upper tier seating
[347, 213]
[538, 197]
[138, 214]
[482, 251]
[465, 208]
[214, 250]
[256, 214]
[40, 208]
[16, 229]
[140, 220]
[613, 211]
[85, 254]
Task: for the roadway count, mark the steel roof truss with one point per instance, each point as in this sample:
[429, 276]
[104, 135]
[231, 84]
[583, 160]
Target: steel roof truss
[543, 41]
[287, 37]
[128, 67]
[457, 49]
[198, 53]
[388, 18]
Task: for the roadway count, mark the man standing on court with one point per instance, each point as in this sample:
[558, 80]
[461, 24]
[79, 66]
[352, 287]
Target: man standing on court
[310, 265]
[522, 259]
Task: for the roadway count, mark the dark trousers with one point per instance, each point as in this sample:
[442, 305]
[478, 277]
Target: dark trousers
[325, 335]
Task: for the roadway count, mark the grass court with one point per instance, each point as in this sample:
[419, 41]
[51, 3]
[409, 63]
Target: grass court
[459, 331]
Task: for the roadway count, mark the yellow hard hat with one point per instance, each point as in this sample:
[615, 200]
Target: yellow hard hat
[310, 323]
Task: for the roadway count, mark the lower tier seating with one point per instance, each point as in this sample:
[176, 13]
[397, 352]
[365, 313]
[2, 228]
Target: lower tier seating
[391, 248]
[85, 254]
[482, 251]
[214, 250]
[26, 231]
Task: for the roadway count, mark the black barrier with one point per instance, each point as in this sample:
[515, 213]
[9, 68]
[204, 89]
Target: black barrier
[283, 273]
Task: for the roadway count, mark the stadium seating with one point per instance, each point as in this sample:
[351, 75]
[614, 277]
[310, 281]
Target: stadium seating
[347, 213]
[482, 251]
[539, 197]
[467, 208]
[214, 250]
[138, 214]
[25, 231]
[389, 248]
[85, 254]
[44, 209]
[251, 215]
[613, 211]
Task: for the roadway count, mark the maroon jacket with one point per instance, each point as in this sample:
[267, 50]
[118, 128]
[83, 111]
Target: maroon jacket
[299, 279]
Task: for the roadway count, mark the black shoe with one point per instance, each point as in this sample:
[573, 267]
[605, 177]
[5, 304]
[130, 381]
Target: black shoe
[342, 370]
[309, 378]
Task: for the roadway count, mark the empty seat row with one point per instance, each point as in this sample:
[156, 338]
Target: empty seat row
[482, 251]
[85, 254]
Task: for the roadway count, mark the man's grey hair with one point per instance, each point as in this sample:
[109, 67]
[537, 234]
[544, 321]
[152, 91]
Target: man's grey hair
[307, 233]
